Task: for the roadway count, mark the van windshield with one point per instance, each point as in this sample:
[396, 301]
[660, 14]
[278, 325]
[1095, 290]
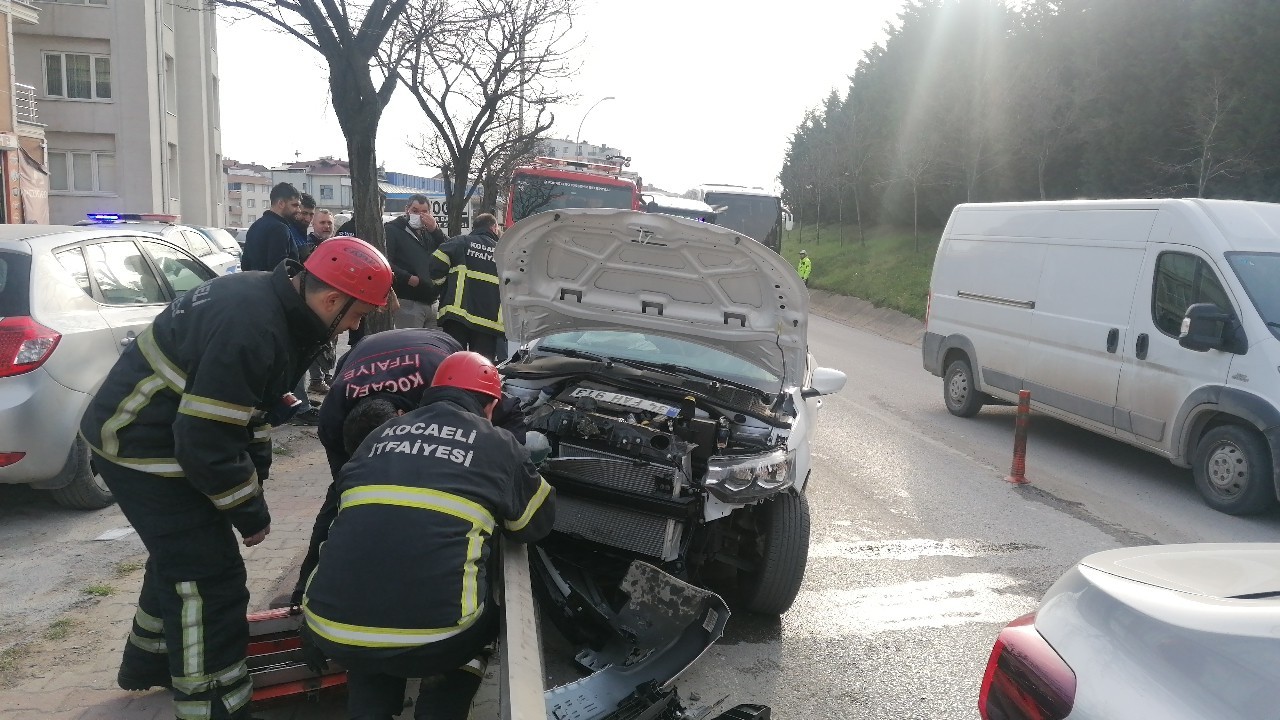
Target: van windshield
[1259, 273]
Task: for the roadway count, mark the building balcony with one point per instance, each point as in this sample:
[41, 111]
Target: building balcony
[24, 104]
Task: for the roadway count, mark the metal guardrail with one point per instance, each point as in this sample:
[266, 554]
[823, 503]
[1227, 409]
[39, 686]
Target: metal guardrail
[24, 104]
[521, 685]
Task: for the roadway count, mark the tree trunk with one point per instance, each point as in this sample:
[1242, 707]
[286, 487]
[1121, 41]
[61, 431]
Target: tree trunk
[915, 213]
[1040, 175]
[840, 215]
[857, 208]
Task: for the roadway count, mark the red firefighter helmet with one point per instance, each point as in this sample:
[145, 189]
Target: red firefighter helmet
[469, 371]
[352, 266]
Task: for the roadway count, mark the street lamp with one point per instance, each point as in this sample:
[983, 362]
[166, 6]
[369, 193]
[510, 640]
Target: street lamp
[577, 140]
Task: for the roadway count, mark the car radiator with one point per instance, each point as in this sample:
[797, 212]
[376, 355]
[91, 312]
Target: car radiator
[608, 518]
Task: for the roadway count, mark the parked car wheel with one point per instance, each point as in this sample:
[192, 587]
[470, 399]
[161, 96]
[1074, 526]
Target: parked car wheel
[960, 389]
[782, 548]
[86, 491]
[1233, 471]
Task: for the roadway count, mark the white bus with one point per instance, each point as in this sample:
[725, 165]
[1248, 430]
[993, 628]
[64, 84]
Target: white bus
[752, 211]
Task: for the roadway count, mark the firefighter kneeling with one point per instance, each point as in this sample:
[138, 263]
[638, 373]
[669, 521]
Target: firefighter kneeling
[402, 587]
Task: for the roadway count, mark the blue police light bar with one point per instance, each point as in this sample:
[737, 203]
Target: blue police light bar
[132, 217]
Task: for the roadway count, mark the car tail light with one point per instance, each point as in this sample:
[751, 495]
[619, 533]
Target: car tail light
[24, 345]
[9, 458]
[928, 305]
[1026, 679]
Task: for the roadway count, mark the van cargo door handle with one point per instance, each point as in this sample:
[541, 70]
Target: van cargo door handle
[1113, 339]
[1140, 347]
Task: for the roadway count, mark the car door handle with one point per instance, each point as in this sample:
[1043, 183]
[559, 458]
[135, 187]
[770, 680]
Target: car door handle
[1140, 347]
[1113, 339]
[128, 338]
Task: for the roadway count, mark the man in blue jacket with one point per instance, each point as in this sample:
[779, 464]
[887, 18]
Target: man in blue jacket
[269, 241]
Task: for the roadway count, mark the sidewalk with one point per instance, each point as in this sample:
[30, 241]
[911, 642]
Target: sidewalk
[75, 677]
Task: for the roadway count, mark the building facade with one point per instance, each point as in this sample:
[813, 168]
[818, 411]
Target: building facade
[248, 194]
[23, 182]
[326, 179]
[128, 93]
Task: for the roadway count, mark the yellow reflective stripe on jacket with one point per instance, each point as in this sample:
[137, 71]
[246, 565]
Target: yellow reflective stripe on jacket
[364, 636]
[420, 498]
[233, 701]
[262, 433]
[211, 409]
[192, 621]
[192, 684]
[128, 409]
[544, 489]
[164, 467]
[151, 645]
[173, 376]
[471, 572]
[238, 494]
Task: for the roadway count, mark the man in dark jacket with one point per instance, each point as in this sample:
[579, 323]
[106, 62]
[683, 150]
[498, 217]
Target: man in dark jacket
[179, 430]
[471, 301]
[411, 239]
[402, 587]
[269, 240]
[301, 225]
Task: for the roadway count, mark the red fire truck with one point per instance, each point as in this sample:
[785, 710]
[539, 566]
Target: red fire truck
[555, 183]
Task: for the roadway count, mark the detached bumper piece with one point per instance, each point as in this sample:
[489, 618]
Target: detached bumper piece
[275, 659]
[664, 626]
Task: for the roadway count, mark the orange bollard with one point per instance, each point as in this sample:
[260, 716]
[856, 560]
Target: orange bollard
[1018, 472]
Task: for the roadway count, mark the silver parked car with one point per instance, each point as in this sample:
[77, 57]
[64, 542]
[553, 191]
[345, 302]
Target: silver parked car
[209, 249]
[71, 300]
[1175, 632]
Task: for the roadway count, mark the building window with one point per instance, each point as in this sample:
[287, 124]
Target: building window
[77, 76]
[326, 192]
[251, 203]
[83, 172]
[234, 186]
[170, 86]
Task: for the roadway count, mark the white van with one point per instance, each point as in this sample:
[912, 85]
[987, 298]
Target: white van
[1155, 322]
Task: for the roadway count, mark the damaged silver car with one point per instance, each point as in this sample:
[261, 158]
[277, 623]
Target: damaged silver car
[665, 361]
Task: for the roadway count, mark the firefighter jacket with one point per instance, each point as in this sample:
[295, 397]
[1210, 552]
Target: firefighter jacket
[188, 400]
[804, 268]
[465, 268]
[407, 561]
[399, 363]
[410, 252]
[268, 241]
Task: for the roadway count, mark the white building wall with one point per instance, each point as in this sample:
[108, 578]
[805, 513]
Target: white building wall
[139, 123]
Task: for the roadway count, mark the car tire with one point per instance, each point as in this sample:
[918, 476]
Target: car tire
[783, 552]
[1233, 470]
[86, 491]
[960, 389]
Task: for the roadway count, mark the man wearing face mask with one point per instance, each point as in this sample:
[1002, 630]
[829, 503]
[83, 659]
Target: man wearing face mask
[179, 433]
[411, 240]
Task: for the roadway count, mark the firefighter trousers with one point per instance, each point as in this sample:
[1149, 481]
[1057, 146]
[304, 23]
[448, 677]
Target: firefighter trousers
[480, 341]
[190, 631]
[451, 671]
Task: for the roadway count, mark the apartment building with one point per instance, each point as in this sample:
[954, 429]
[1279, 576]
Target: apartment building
[572, 150]
[128, 93]
[23, 182]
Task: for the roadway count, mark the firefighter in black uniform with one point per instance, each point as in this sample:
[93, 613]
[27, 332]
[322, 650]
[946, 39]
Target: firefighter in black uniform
[179, 428]
[384, 375]
[471, 303]
[402, 587]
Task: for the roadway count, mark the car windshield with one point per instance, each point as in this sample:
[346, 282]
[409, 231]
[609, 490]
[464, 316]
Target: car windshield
[535, 194]
[14, 289]
[752, 215]
[662, 350]
[1259, 273]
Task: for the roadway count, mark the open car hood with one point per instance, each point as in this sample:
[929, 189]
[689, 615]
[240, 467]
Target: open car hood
[588, 269]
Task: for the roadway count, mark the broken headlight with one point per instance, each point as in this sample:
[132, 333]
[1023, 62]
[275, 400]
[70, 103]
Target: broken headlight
[743, 478]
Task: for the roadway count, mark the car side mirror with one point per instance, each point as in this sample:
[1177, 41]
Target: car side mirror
[1205, 327]
[825, 381]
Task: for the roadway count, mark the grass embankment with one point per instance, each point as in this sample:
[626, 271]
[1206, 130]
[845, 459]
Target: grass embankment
[887, 271]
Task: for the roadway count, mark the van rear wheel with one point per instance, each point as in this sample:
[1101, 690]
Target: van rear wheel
[960, 389]
[1233, 471]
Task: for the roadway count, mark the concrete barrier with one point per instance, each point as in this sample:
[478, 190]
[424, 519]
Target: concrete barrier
[861, 314]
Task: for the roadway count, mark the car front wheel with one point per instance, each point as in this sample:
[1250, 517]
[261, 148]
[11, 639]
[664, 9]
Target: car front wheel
[782, 551]
[1233, 470]
[86, 491]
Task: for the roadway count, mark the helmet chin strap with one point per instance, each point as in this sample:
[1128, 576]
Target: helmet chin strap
[337, 320]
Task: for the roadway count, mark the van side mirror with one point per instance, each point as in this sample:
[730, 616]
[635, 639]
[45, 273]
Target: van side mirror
[1205, 327]
[825, 381]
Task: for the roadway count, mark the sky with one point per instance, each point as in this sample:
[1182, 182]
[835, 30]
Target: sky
[705, 91]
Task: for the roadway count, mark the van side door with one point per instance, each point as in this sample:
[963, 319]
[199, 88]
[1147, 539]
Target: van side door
[1158, 374]
[1080, 322]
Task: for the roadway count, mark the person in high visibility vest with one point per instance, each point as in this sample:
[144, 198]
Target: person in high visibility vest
[402, 588]
[180, 434]
[805, 267]
[471, 301]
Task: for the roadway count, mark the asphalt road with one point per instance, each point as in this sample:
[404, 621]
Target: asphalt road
[921, 551]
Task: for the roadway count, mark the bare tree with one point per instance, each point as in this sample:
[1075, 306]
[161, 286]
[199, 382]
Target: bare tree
[348, 35]
[1048, 113]
[484, 57]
